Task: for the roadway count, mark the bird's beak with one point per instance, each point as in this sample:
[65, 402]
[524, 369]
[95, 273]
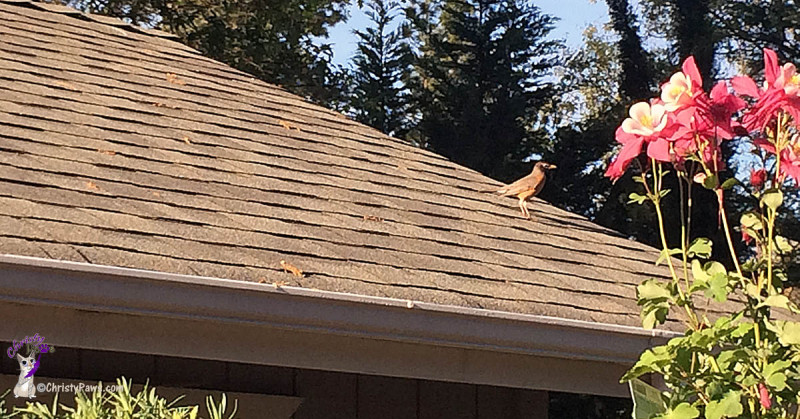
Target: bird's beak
[552, 166]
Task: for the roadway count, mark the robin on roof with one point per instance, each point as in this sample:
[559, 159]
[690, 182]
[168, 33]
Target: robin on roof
[528, 187]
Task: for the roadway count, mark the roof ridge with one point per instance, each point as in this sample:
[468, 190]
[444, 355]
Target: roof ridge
[46, 6]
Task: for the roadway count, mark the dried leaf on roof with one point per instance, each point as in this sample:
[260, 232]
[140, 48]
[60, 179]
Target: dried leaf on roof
[174, 79]
[288, 267]
[289, 125]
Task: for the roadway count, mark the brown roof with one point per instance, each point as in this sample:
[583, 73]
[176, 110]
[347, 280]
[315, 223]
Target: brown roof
[120, 146]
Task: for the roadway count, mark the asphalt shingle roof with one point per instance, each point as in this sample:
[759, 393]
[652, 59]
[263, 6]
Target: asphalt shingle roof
[121, 146]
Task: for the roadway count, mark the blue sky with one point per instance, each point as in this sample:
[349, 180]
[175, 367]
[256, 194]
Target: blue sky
[574, 16]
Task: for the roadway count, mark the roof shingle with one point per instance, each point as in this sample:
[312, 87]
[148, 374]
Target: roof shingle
[119, 146]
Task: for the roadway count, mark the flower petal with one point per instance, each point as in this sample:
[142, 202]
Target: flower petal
[745, 86]
[771, 67]
[659, 150]
[690, 69]
[638, 110]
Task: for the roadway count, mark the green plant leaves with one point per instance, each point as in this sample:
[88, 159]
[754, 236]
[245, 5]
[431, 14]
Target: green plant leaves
[780, 301]
[712, 278]
[752, 221]
[772, 198]
[729, 406]
[635, 198]
[788, 332]
[774, 375]
[700, 247]
[654, 298]
[718, 287]
[681, 411]
[711, 182]
[783, 244]
[664, 255]
[730, 183]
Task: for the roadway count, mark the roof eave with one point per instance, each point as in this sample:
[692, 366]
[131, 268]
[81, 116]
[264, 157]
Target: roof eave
[29, 280]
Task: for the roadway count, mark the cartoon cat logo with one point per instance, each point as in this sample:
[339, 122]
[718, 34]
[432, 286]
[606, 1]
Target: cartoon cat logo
[25, 386]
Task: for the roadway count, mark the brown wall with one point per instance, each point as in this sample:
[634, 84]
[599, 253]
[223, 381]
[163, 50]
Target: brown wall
[329, 395]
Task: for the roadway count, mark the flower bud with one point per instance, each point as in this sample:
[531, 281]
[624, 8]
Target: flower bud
[758, 177]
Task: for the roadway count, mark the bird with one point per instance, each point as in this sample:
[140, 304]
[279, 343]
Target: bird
[527, 187]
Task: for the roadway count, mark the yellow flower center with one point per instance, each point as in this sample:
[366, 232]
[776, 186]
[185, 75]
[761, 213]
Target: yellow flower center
[646, 120]
[795, 80]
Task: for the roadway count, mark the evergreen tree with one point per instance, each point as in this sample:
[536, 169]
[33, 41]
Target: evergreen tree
[637, 75]
[480, 80]
[382, 60]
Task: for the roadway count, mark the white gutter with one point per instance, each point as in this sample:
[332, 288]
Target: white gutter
[82, 286]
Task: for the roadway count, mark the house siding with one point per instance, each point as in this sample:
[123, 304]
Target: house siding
[325, 394]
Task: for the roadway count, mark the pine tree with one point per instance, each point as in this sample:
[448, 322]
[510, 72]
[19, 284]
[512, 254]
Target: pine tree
[383, 58]
[480, 80]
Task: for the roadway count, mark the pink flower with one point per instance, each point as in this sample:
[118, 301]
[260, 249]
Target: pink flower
[763, 396]
[788, 80]
[746, 237]
[684, 88]
[645, 120]
[723, 106]
[631, 147]
[648, 123]
[789, 158]
[781, 93]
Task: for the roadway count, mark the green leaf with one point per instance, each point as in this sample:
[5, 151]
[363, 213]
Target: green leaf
[742, 329]
[730, 183]
[697, 271]
[788, 332]
[681, 411]
[752, 290]
[752, 221]
[647, 401]
[729, 406]
[652, 290]
[663, 256]
[711, 182]
[779, 301]
[700, 247]
[772, 198]
[718, 287]
[714, 268]
[654, 314]
[635, 198]
[777, 381]
[726, 358]
[783, 244]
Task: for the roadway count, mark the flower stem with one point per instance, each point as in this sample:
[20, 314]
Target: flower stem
[684, 238]
[727, 228]
[655, 196]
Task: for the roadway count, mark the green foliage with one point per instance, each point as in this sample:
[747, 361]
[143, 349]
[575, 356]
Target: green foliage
[745, 363]
[124, 403]
[479, 82]
[383, 60]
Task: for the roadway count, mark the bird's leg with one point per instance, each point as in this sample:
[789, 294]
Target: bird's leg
[523, 205]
